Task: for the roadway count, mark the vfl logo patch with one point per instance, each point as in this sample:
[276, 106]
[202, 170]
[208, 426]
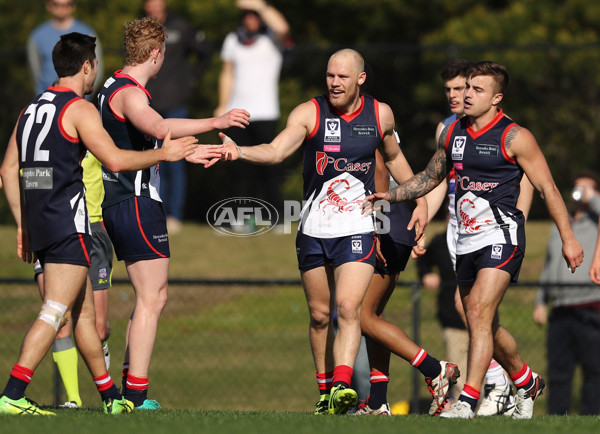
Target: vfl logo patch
[357, 246]
[333, 132]
[102, 273]
[458, 147]
[496, 251]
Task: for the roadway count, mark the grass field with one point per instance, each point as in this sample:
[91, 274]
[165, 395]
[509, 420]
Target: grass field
[233, 422]
[242, 352]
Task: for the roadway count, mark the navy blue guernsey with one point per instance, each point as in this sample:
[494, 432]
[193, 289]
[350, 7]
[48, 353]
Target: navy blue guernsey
[124, 185]
[339, 167]
[487, 185]
[52, 176]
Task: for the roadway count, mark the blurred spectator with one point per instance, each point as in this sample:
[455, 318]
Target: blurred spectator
[43, 38]
[188, 58]
[436, 272]
[252, 58]
[574, 319]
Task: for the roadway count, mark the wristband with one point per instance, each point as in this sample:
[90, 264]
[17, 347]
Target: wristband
[239, 151]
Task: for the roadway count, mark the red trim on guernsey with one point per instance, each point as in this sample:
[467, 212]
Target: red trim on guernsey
[120, 74]
[368, 254]
[504, 134]
[377, 117]
[117, 117]
[137, 216]
[60, 89]
[351, 116]
[66, 135]
[474, 134]
[508, 260]
[87, 255]
[316, 128]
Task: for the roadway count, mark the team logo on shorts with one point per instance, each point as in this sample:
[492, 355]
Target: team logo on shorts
[496, 251]
[458, 147]
[332, 131]
[102, 273]
[357, 246]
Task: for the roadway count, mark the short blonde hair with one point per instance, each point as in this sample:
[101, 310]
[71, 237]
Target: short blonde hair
[141, 37]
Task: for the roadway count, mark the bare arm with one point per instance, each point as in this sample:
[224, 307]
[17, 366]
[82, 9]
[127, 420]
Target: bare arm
[522, 146]
[382, 176]
[9, 172]
[132, 104]
[299, 125]
[525, 196]
[425, 181]
[595, 267]
[225, 87]
[435, 199]
[83, 120]
[398, 166]
[271, 16]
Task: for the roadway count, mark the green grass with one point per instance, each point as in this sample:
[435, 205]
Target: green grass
[229, 347]
[233, 422]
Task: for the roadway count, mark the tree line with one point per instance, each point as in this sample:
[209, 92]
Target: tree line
[551, 49]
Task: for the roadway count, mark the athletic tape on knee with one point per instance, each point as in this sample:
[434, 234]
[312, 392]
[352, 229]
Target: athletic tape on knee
[53, 313]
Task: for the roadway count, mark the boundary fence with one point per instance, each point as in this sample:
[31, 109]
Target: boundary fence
[250, 336]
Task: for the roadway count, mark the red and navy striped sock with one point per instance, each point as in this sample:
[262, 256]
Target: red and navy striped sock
[19, 379]
[470, 395]
[523, 379]
[427, 365]
[106, 387]
[324, 381]
[136, 389]
[379, 387]
[342, 375]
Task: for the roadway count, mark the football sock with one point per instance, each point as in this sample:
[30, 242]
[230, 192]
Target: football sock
[19, 379]
[65, 356]
[136, 390]
[495, 374]
[324, 381]
[124, 377]
[470, 395]
[342, 375]
[523, 379]
[106, 387]
[427, 365]
[379, 387]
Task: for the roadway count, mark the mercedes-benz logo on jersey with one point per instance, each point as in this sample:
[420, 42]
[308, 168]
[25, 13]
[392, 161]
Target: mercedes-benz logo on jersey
[458, 147]
[333, 132]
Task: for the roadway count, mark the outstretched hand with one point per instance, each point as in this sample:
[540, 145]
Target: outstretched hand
[231, 151]
[233, 118]
[178, 149]
[372, 203]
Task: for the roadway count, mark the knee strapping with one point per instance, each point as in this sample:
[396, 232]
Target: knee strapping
[53, 313]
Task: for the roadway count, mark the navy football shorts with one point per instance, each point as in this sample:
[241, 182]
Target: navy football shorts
[314, 252]
[501, 256]
[138, 229]
[396, 256]
[74, 249]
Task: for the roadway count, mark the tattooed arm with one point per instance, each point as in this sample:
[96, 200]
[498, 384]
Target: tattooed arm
[420, 184]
